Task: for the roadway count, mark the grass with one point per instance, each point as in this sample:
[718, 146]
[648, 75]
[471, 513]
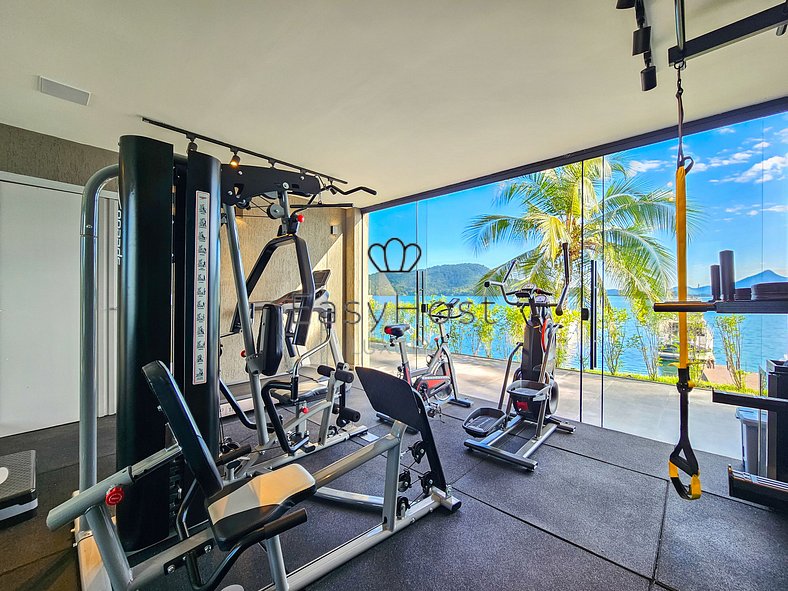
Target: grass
[700, 384]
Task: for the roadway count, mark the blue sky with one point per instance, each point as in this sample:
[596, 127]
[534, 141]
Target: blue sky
[739, 182]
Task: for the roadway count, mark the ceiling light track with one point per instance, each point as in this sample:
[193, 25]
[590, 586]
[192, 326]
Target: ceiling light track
[192, 136]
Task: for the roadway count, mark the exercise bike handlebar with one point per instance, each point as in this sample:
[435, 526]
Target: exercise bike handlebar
[438, 316]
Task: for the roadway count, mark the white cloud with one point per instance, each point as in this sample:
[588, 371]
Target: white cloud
[646, 165]
[777, 208]
[737, 158]
[782, 135]
[727, 219]
[734, 209]
[725, 130]
[761, 145]
[753, 212]
[762, 171]
[700, 166]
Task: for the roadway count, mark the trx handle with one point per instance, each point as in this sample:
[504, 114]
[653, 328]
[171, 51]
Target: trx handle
[688, 463]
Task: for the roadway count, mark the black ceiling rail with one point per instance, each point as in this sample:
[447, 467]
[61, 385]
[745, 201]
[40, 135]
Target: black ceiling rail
[771, 18]
[192, 135]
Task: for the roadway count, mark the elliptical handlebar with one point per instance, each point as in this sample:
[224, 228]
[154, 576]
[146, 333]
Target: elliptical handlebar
[559, 306]
[531, 290]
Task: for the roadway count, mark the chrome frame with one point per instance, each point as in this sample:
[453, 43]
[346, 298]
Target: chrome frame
[257, 458]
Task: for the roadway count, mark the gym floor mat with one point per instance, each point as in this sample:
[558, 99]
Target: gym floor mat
[640, 454]
[479, 548]
[28, 541]
[715, 543]
[57, 447]
[608, 510]
[591, 521]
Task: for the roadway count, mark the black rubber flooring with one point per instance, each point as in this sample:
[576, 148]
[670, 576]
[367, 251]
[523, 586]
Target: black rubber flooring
[598, 513]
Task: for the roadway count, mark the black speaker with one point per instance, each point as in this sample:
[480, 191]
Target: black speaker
[641, 40]
[648, 78]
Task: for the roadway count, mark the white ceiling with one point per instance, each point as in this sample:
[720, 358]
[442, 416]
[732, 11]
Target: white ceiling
[403, 96]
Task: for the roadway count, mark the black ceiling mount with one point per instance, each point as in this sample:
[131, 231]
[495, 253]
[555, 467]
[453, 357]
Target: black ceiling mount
[641, 42]
[242, 183]
[771, 18]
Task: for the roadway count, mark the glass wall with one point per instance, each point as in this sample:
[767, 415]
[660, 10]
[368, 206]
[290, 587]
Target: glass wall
[616, 212]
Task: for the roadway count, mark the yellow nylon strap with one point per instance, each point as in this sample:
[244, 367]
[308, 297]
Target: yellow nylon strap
[681, 258]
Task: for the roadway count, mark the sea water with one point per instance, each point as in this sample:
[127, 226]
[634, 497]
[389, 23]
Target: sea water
[764, 336]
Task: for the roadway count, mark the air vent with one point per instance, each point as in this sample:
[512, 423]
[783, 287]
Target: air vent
[63, 91]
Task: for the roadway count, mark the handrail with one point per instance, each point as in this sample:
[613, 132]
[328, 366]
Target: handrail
[88, 335]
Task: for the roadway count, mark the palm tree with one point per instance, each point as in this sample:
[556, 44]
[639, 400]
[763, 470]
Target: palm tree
[603, 211]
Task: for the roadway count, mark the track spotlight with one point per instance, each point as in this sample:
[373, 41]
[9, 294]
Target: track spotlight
[624, 4]
[641, 40]
[648, 78]
[192, 147]
[235, 160]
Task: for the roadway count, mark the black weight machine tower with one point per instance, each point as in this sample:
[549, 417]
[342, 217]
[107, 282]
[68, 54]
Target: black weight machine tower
[168, 310]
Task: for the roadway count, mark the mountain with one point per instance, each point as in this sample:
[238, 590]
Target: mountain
[441, 279]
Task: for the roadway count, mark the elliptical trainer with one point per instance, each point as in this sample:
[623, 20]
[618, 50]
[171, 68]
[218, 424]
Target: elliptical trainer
[533, 395]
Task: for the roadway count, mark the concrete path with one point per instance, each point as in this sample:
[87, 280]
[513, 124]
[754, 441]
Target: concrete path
[640, 408]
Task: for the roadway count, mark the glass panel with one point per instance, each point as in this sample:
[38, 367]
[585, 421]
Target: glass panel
[617, 213]
[738, 201]
[458, 257]
[391, 283]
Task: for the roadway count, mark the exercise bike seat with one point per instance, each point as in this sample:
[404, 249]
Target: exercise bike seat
[396, 330]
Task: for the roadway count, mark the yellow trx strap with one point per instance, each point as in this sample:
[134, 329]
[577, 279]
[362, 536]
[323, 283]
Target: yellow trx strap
[687, 462]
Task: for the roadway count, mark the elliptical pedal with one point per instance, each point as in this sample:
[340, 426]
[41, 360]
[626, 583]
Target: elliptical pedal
[483, 421]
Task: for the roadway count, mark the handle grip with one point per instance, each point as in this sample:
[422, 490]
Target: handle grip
[325, 370]
[559, 306]
[244, 450]
[281, 525]
[344, 376]
[690, 492]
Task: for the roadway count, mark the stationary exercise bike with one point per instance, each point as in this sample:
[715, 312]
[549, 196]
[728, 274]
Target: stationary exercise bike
[436, 383]
[533, 394]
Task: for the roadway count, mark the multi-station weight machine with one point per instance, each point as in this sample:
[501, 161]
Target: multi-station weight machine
[168, 256]
[168, 389]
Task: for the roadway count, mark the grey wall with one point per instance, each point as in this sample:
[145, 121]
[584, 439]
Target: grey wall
[43, 156]
[48, 157]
